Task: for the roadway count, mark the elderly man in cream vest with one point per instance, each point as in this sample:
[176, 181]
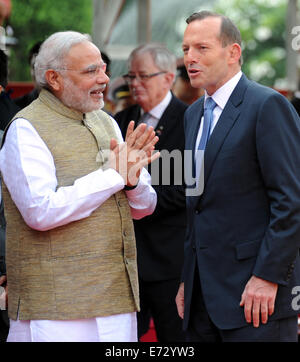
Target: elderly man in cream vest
[71, 188]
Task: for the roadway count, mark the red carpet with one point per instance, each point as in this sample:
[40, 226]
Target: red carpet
[150, 336]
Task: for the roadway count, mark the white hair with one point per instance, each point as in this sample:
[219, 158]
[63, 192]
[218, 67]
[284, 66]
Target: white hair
[161, 55]
[53, 51]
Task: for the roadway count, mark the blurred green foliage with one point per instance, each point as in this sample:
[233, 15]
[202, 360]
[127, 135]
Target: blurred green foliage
[35, 20]
[262, 24]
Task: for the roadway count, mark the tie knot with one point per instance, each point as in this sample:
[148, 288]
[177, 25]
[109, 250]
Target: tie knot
[209, 104]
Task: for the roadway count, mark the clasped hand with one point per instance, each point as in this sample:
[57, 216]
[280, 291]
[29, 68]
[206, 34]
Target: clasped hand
[130, 157]
[3, 296]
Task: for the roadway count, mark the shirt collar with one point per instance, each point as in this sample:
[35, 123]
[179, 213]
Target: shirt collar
[222, 94]
[159, 109]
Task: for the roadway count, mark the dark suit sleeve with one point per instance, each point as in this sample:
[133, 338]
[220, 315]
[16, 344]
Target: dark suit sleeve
[170, 199]
[278, 152]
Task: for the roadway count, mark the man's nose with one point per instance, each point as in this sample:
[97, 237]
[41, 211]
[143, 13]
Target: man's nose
[190, 56]
[136, 80]
[102, 77]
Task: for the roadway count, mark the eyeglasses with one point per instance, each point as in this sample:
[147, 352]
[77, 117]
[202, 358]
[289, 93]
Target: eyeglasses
[90, 72]
[129, 78]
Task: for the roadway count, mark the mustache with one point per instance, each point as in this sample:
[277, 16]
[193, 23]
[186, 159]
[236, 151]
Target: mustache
[100, 88]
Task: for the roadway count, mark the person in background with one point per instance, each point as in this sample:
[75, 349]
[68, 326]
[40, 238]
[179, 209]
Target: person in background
[108, 103]
[182, 87]
[26, 99]
[296, 101]
[7, 106]
[71, 187]
[122, 98]
[7, 110]
[4, 11]
[241, 258]
[160, 237]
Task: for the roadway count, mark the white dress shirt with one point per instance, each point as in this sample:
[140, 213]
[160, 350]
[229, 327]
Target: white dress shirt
[29, 173]
[30, 177]
[154, 115]
[221, 97]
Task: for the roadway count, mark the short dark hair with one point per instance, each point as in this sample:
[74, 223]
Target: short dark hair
[34, 50]
[229, 33]
[106, 60]
[3, 69]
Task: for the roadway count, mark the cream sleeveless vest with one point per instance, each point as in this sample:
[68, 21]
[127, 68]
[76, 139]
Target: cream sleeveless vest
[86, 268]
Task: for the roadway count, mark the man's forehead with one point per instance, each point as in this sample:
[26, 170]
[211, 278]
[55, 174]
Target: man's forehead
[210, 26]
[84, 49]
[85, 52]
[141, 60]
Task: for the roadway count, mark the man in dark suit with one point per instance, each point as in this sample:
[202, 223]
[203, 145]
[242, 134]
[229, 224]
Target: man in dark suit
[296, 101]
[159, 237]
[7, 106]
[241, 263]
[7, 110]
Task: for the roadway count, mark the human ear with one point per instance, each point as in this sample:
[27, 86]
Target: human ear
[235, 53]
[170, 78]
[54, 79]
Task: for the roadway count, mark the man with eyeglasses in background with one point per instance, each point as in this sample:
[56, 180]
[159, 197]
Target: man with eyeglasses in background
[70, 253]
[160, 236]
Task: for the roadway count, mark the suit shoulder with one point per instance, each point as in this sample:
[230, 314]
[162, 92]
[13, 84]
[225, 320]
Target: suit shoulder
[267, 99]
[125, 112]
[125, 116]
[179, 104]
[263, 92]
[195, 106]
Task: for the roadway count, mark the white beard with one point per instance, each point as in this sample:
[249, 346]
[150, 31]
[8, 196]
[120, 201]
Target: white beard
[78, 99]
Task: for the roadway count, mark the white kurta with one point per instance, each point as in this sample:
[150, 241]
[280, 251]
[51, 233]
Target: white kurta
[29, 173]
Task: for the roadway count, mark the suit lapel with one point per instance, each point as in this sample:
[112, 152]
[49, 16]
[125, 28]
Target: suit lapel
[216, 140]
[193, 132]
[135, 114]
[166, 122]
[225, 123]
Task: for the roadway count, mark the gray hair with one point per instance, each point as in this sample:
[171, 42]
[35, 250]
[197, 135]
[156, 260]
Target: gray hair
[53, 51]
[161, 55]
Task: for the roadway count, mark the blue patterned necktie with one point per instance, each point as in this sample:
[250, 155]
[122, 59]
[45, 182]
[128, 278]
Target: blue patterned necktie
[209, 106]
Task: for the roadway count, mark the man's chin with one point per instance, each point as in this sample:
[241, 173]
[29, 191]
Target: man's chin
[96, 106]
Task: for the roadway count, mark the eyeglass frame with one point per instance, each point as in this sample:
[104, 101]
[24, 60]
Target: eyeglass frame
[142, 77]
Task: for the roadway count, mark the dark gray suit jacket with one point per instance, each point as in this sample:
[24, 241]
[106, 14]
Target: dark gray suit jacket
[247, 221]
[160, 236]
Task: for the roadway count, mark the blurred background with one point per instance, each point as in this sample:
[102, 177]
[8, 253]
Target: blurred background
[118, 26]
